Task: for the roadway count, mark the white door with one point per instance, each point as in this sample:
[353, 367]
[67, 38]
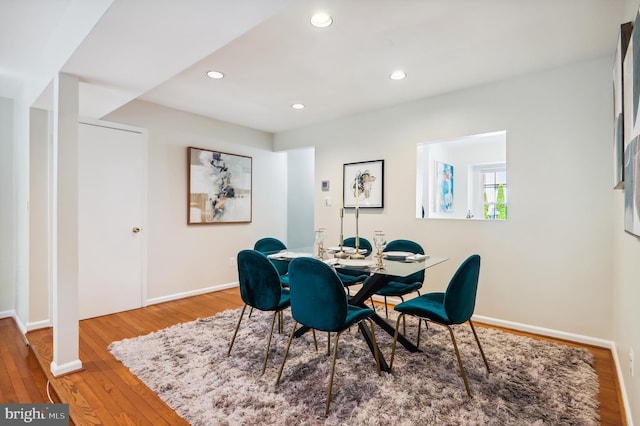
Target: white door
[111, 232]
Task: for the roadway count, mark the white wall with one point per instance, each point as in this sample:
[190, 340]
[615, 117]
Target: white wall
[549, 265]
[39, 241]
[562, 260]
[7, 241]
[300, 190]
[185, 258]
[20, 153]
[626, 296]
[626, 289]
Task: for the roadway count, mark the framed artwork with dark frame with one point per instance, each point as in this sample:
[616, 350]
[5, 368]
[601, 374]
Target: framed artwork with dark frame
[631, 96]
[618, 105]
[219, 187]
[363, 184]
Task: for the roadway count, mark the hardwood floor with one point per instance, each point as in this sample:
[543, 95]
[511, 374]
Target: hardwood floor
[21, 378]
[105, 392]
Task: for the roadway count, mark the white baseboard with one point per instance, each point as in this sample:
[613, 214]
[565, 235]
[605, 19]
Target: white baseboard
[185, 294]
[66, 368]
[7, 314]
[623, 389]
[557, 334]
[578, 338]
[21, 326]
[37, 325]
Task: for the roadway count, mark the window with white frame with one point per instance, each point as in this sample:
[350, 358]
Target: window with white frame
[490, 194]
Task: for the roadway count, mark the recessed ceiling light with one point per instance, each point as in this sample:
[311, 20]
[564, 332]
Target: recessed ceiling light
[215, 74]
[321, 20]
[397, 75]
[297, 106]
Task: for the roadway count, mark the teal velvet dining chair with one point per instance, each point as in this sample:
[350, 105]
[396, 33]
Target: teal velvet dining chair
[453, 307]
[349, 277]
[260, 288]
[363, 244]
[270, 245]
[401, 286]
[318, 301]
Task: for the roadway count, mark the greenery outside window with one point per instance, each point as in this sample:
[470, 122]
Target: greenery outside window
[494, 193]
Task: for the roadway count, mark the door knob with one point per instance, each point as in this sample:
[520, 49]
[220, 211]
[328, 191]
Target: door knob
[135, 229]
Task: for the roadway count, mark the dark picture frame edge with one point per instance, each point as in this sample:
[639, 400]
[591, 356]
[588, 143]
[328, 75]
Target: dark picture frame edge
[631, 96]
[619, 114]
[370, 175]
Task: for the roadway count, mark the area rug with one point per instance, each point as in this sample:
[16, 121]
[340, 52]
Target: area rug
[531, 382]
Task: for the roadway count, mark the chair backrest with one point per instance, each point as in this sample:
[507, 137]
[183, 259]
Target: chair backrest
[460, 296]
[318, 299]
[409, 246]
[259, 280]
[271, 245]
[363, 244]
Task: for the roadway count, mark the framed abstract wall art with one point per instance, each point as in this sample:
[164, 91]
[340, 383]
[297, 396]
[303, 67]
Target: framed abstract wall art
[363, 184]
[219, 187]
[631, 97]
[618, 105]
[444, 187]
[632, 187]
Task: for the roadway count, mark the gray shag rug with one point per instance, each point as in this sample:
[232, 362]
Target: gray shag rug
[531, 382]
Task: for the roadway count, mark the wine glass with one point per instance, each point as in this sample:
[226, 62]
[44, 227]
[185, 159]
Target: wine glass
[379, 241]
[320, 236]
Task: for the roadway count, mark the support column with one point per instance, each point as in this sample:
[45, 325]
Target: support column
[65, 233]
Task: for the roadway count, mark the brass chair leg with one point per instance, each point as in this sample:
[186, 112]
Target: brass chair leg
[479, 346]
[395, 341]
[376, 353]
[333, 367]
[426, 324]
[404, 321]
[464, 374]
[315, 341]
[404, 325]
[233, 339]
[335, 355]
[250, 312]
[328, 343]
[286, 352]
[266, 353]
[386, 308]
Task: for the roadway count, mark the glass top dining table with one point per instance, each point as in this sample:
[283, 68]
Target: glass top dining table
[396, 268]
[379, 277]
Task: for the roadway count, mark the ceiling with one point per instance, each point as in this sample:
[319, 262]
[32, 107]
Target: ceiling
[160, 50]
